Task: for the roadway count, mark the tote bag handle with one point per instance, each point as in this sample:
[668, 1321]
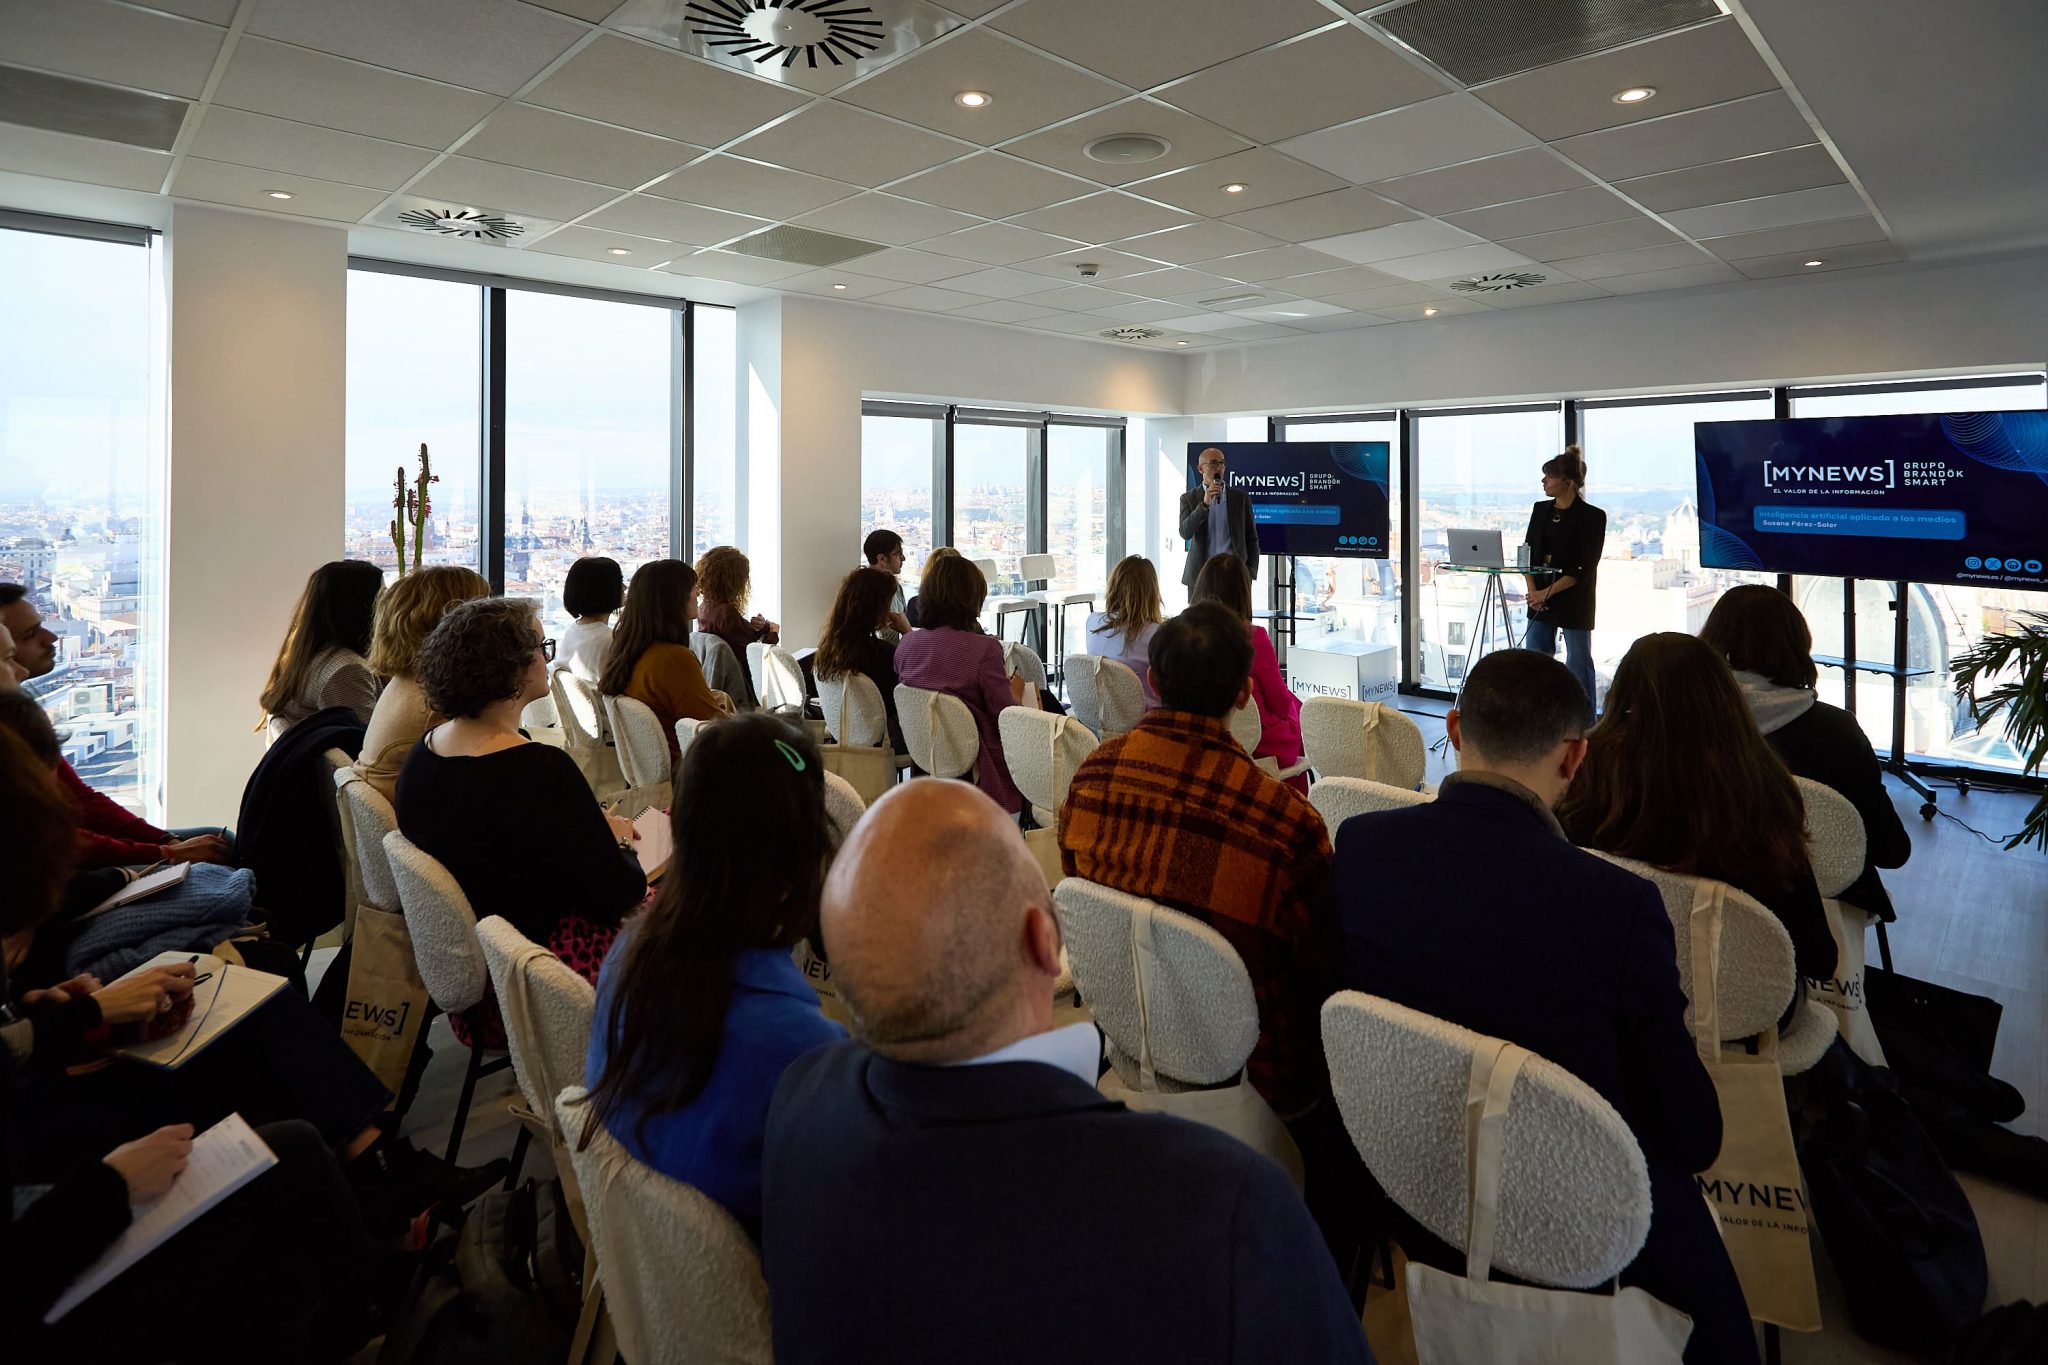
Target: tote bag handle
[1492, 1083]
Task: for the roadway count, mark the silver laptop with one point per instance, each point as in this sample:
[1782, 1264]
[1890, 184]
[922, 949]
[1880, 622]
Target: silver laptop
[1478, 548]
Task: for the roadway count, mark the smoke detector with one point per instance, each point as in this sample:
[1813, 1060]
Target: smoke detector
[1499, 282]
[1127, 149]
[1132, 333]
[461, 223]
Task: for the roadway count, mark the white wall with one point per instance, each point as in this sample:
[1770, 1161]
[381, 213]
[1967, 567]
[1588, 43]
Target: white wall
[258, 310]
[1903, 320]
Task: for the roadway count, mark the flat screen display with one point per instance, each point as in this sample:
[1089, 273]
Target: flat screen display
[1958, 497]
[1309, 497]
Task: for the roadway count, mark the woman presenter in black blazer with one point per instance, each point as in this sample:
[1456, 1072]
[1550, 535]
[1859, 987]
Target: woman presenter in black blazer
[1566, 533]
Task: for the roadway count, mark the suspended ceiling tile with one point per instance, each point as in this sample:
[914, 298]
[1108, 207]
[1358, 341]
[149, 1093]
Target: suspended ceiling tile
[1266, 176]
[1463, 260]
[839, 284]
[1487, 41]
[207, 11]
[65, 104]
[1549, 213]
[885, 218]
[1773, 211]
[1179, 282]
[493, 45]
[1255, 331]
[998, 244]
[1803, 237]
[1830, 258]
[562, 144]
[906, 266]
[1685, 277]
[1622, 235]
[672, 222]
[1760, 123]
[105, 42]
[1502, 179]
[1273, 263]
[1420, 137]
[1069, 324]
[1104, 217]
[461, 180]
[1327, 283]
[1194, 243]
[1392, 242]
[1144, 42]
[1324, 78]
[833, 140]
[999, 283]
[1080, 298]
[665, 93]
[926, 298]
[217, 182]
[589, 244]
[1430, 310]
[1190, 141]
[1749, 177]
[593, 11]
[1109, 264]
[311, 87]
[1564, 291]
[1688, 69]
[1386, 296]
[1343, 322]
[1671, 256]
[1143, 311]
[36, 151]
[970, 9]
[732, 267]
[1287, 311]
[992, 185]
[1028, 90]
[1006, 310]
[275, 144]
[742, 186]
[1202, 322]
[1323, 215]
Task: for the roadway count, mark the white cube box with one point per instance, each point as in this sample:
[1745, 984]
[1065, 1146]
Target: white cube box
[1356, 669]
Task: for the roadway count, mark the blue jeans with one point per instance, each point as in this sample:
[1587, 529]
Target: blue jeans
[1578, 650]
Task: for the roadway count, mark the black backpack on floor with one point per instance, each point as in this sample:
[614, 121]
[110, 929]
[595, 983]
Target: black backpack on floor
[503, 1290]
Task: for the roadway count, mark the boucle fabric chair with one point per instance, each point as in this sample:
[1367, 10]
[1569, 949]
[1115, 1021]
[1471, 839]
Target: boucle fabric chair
[939, 731]
[1337, 799]
[682, 1282]
[586, 734]
[1248, 730]
[1106, 695]
[643, 749]
[1023, 662]
[1574, 1203]
[1836, 848]
[1345, 738]
[781, 679]
[686, 735]
[1042, 751]
[854, 711]
[366, 817]
[547, 1010]
[843, 806]
[724, 671]
[1834, 833]
[1757, 972]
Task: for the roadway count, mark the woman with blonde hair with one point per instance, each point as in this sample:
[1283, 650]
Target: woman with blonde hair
[321, 662]
[406, 615]
[1133, 611]
[723, 580]
[910, 608]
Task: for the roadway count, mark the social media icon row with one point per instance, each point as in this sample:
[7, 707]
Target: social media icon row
[1358, 540]
[2009, 565]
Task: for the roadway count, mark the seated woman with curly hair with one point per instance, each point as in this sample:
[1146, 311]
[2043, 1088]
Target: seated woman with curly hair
[512, 820]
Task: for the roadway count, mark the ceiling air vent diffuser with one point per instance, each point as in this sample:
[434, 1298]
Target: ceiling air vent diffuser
[1499, 282]
[461, 223]
[1132, 333]
[803, 246]
[815, 45]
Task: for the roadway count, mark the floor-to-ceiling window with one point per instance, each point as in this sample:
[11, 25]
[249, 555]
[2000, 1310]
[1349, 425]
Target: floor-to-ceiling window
[714, 442]
[991, 476]
[899, 455]
[1351, 599]
[81, 515]
[1079, 461]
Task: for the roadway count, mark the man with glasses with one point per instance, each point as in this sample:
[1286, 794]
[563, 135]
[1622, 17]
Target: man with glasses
[1216, 520]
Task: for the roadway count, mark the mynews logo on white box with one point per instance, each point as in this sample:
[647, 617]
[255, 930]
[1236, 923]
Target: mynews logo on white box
[1880, 474]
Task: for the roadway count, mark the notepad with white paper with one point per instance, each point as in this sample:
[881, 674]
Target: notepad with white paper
[653, 843]
[147, 885]
[221, 1001]
[224, 1158]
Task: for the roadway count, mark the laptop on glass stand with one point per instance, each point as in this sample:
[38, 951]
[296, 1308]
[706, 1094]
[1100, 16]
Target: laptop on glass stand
[1476, 548]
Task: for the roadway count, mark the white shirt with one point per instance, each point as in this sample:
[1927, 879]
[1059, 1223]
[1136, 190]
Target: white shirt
[1075, 1049]
[581, 649]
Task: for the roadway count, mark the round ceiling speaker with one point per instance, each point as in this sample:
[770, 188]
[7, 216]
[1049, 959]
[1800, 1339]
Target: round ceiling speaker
[1127, 149]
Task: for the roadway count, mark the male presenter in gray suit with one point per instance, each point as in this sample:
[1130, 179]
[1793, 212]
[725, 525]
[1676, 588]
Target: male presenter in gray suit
[1214, 521]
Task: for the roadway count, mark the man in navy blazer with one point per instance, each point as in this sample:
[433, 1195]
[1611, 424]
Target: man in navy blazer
[953, 1187]
[1476, 909]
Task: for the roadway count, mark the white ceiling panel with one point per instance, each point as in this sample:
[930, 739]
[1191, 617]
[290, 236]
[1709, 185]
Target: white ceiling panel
[1750, 177]
[1830, 258]
[1688, 69]
[728, 182]
[1179, 282]
[1323, 215]
[1387, 296]
[1342, 322]
[1255, 331]
[998, 283]
[1421, 137]
[1549, 213]
[1105, 217]
[912, 267]
[1760, 123]
[1393, 242]
[835, 283]
[998, 244]
[1671, 256]
[461, 180]
[1272, 264]
[1070, 324]
[927, 298]
[561, 144]
[276, 144]
[992, 185]
[1685, 277]
[1463, 260]
[1028, 89]
[1108, 264]
[1201, 322]
[33, 151]
[1196, 242]
[1772, 211]
[1144, 311]
[589, 244]
[885, 218]
[1325, 283]
[1499, 179]
[1144, 42]
[217, 182]
[672, 222]
[1806, 237]
[842, 143]
[639, 86]
[1565, 291]
[207, 11]
[1430, 310]
[1266, 176]
[1324, 78]
[1623, 235]
[112, 43]
[1080, 298]
[594, 11]
[493, 45]
[1006, 310]
[311, 87]
[1190, 140]
[733, 268]
[1288, 310]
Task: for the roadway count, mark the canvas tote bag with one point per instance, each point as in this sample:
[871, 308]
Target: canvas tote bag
[871, 769]
[386, 1005]
[1754, 1185]
[1459, 1320]
[1843, 992]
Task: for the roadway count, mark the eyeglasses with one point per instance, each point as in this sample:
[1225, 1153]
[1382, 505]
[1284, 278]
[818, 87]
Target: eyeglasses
[547, 651]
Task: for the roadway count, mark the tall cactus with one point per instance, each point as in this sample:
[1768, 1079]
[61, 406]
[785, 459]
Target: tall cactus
[413, 506]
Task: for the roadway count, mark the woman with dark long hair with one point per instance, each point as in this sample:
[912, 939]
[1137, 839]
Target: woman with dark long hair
[1224, 578]
[1566, 533]
[1678, 776]
[851, 643]
[700, 1007]
[321, 662]
[650, 659]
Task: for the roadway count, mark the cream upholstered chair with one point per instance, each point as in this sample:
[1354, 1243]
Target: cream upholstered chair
[1106, 695]
[1574, 1205]
[1345, 738]
[1022, 661]
[778, 678]
[1757, 973]
[1834, 833]
[1337, 799]
[843, 806]
[1042, 750]
[547, 1009]
[643, 749]
[586, 734]
[939, 731]
[854, 710]
[362, 864]
[444, 944]
[682, 1281]
[1176, 1004]
[1835, 846]
[724, 671]
[1248, 730]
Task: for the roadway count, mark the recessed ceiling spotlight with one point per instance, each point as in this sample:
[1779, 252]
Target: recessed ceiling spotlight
[1234, 187]
[1429, 312]
[618, 251]
[839, 286]
[1180, 343]
[1816, 263]
[279, 194]
[1635, 94]
[974, 99]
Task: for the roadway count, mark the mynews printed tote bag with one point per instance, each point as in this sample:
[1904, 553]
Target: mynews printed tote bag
[1466, 1319]
[1843, 992]
[1754, 1186]
[386, 1006]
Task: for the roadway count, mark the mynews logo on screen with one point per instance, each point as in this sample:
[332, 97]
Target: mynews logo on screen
[1830, 478]
[1296, 482]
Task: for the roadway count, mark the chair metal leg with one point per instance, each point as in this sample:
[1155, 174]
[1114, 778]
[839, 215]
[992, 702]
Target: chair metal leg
[475, 1068]
[519, 1146]
[1884, 947]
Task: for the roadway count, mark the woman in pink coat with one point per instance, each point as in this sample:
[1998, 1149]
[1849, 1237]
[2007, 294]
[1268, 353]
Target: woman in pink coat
[1225, 579]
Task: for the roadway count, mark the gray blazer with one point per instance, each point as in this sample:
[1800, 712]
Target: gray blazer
[1194, 528]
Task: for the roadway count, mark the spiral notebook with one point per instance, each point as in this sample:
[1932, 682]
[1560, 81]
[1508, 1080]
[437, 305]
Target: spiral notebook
[226, 995]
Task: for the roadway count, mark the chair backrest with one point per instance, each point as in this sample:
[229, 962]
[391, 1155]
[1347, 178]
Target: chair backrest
[1042, 750]
[368, 817]
[442, 925]
[1756, 973]
[539, 714]
[1574, 1204]
[724, 671]
[1345, 738]
[1105, 693]
[547, 1009]
[1188, 1010]
[939, 731]
[339, 763]
[782, 679]
[643, 749]
[988, 571]
[1834, 836]
[579, 708]
[854, 710]
[1246, 727]
[1022, 661]
[1337, 799]
[1038, 568]
[843, 805]
[682, 1282]
[686, 735]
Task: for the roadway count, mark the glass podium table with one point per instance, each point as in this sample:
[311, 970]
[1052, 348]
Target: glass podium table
[1491, 612]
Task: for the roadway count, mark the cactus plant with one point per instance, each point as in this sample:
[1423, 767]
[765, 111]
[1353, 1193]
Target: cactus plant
[413, 506]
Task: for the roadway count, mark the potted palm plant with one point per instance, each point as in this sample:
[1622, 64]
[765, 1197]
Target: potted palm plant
[2016, 665]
